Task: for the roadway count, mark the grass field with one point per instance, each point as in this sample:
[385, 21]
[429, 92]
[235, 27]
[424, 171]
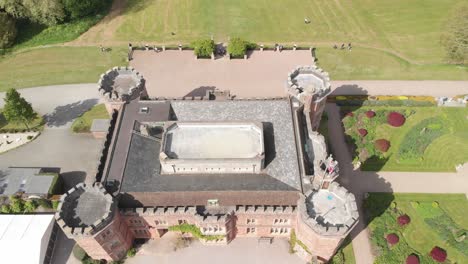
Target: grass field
[57, 65]
[410, 28]
[432, 224]
[442, 154]
[83, 123]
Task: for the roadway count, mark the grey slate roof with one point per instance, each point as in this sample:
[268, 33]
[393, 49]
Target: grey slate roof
[27, 180]
[280, 146]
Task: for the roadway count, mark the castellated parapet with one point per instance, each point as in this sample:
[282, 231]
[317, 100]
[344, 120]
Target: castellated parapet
[89, 215]
[120, 85]
[325, 218]
[310, 85]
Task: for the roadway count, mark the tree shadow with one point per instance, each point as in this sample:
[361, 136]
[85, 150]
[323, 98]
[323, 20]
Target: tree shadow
[66, 113]
[72, 178]
[201, 91]
[349, 89]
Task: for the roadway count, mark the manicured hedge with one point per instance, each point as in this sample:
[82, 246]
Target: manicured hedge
[403, 220]
[395, 119]
[412, 259]
[203, 48]
[363, 132]
[370, 114]
[382, 144]
[438, 254]
[392, 239]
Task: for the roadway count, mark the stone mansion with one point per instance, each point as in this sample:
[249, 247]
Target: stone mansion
[230, 167]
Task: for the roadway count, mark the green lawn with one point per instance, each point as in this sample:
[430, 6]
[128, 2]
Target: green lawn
[411, 28]
[83, 123]
[345, 254]
[37, 124]
[432, 224]
[444, 151]
[57, 65]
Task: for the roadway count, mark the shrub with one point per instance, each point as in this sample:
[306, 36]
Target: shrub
[7, 30]
[84, 8]
[395, 119]
[392, 239]
[29, 137]
[435, 204]
[393, 205]
[78, 252]
[414, 204]
[44, 203]
[203, 48]
[55, 204]
[5, 209]
[403, 220]
[30, 206]
[237, 47]
[131, 252]
[16, 204]
[412, 259]
[195, 231]
[362, 132]
[370, 114]
[382, 144]
[438, 254]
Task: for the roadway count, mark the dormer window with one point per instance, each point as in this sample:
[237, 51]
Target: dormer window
[144, 110]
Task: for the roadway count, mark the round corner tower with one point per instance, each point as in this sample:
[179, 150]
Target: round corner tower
[325, 218]
[89, 215]
[310, 86]
[120, 85]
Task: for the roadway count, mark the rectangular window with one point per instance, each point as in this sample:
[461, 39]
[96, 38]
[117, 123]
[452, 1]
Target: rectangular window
[251, 221]
[213, 202]
[251, 230]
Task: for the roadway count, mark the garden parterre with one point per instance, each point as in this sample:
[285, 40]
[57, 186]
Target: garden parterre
[436, 221]
[431, 139]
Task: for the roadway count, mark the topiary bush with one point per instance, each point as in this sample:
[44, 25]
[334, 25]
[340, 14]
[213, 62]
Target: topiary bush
[395, 119]
[403, 220]
[363, 132]
[370, 114]
[392, 239]
[237, 47]
[203, 48]
[382, 144]
[438, 254]
[7, 30]
[412, 259]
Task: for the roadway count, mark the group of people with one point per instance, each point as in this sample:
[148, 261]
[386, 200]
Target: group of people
[343, 46]
[278, 47]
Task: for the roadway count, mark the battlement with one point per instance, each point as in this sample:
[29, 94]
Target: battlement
[260, 209]
[329, 212]
[308, 81]
[85, 210]
[121, 84]
[159, 211]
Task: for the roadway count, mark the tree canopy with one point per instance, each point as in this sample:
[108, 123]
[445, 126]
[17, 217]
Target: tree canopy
[17, 109]
[7, 30]
[455, 38]
[83, 8]
[47, 12]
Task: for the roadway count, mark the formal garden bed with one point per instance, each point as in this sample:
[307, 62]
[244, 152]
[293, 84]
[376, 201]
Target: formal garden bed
[406, 138]
[83, 123]
[418, 228]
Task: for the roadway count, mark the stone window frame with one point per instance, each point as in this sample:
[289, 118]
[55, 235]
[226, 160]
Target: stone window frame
[160, 222]
[251, 230]
[281, 221]
[251, 221]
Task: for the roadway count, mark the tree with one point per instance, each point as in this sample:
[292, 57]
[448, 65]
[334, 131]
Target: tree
[455, 36]
[83, 8]
[7, 30]
[203, 48]
[30, 206]
[17, 109]
[237, 47]
[47, 12]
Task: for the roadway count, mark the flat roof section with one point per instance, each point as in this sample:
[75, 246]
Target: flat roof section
[213, 141]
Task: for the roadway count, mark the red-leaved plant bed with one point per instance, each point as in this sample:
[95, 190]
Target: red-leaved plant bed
[403, 220]
[370, 114]
[412, 259]
[438, 254]
[382, 144]
[392, 239]
[362, 132]
[395, 119]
